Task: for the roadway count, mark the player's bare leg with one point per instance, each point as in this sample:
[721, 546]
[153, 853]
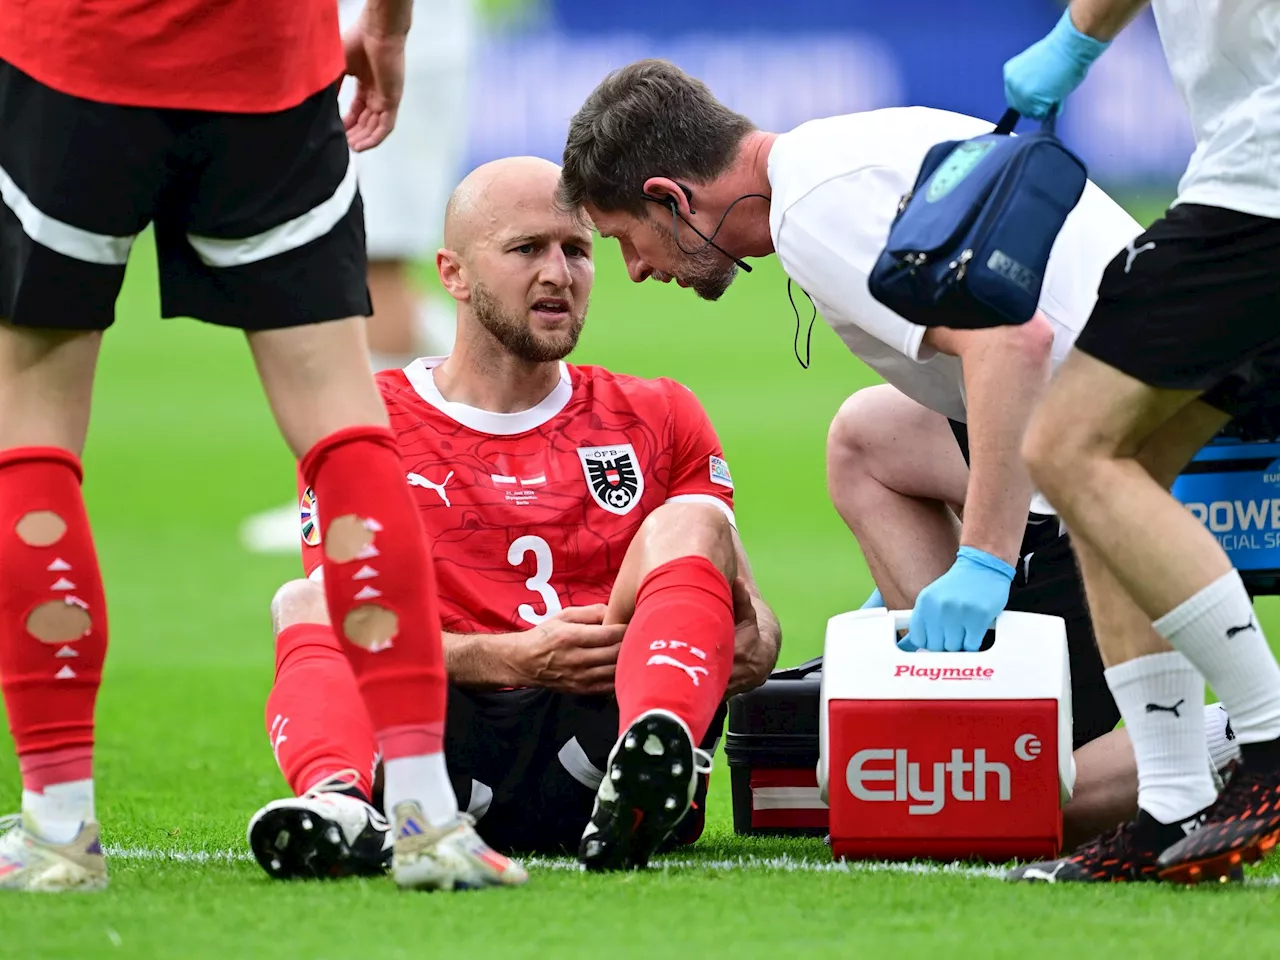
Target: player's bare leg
[391, 338]
[378, 579]
[53, 634]
[1091, 448]
[674, 590]
[893, 469]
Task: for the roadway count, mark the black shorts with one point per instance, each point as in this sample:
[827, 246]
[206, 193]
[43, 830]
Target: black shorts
[258, 222]
[527, 764]
[1048, 581]
[1192, 304]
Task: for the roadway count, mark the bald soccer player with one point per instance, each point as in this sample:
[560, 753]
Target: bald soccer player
[596, 601]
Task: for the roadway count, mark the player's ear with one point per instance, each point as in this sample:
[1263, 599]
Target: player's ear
[665, 191]
[452, 274]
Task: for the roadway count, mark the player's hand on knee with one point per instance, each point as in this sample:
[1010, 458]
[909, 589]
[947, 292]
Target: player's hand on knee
[751, 659]
[570, 652]
[955, 612]
[1041, 77]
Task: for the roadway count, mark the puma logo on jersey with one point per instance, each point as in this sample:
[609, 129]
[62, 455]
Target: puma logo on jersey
[417, 480]
[662, 660]
[1134, 251]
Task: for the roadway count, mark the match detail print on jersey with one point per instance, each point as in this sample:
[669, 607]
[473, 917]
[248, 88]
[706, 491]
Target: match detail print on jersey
[613, 476]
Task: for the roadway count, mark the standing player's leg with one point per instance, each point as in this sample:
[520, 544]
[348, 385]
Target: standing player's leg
[674, 590]
[267, 236]
[379, 586]
[78, 182]
[53, 616]
[1089, 449]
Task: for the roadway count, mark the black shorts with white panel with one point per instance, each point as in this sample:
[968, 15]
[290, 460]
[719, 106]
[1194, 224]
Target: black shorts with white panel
[1193, 304]
[527, 763]
[258, 221]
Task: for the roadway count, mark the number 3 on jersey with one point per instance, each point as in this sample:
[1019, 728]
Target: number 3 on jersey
[539, 583]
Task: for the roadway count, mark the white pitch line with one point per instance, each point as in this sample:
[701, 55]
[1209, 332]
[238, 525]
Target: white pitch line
[781, 864]
[784, 863]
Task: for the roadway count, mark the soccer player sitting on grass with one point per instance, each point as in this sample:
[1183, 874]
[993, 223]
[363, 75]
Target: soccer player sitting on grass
[596, 601]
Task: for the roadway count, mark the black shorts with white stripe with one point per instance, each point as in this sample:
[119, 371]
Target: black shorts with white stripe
[258, 221]
[527, 763]
[1190, 304]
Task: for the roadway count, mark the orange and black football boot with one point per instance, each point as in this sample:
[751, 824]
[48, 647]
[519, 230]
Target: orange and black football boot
[1242, 827]
[1127, 854]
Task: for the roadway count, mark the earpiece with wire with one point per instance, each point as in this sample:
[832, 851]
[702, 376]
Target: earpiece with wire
[676, 218]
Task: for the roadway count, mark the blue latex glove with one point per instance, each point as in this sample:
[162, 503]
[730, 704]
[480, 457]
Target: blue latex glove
[955, 611]
[1043, 74]
[875, 600]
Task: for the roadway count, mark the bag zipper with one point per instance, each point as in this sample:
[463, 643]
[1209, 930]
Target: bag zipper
[960, 264]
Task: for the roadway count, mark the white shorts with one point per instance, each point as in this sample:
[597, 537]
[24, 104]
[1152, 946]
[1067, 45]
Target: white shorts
[406, 181]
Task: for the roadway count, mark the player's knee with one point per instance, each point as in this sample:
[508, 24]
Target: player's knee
[856, 440]
[851, 437]
[298, 601]
[690, 529]
[1045, 452]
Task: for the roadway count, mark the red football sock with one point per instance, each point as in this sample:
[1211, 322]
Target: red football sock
[53, 615]
[315, 718]
[359, 480]
[678, 650]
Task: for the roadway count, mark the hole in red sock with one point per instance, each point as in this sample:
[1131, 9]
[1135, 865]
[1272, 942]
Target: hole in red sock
[58, 621]
[371, 626]
[41, 528]
[346, 538]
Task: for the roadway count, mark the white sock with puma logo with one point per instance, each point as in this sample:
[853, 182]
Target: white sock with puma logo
[1217, 631]
[1161, 697]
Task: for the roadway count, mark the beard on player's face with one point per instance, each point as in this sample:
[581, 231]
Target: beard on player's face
[705, 271]
[513, 329]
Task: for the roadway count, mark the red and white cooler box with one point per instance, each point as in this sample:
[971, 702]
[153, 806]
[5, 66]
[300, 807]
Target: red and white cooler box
[945, 755]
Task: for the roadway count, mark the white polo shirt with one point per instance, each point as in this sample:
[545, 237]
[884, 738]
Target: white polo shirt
[1225, 59]
[836, 185]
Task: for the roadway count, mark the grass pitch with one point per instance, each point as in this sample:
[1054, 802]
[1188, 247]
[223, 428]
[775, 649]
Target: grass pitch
[183, 448]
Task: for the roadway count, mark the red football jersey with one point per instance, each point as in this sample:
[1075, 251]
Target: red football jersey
[234, 56]
[532, 512]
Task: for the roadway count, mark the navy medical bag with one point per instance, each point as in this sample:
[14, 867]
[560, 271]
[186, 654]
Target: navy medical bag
[971, 240]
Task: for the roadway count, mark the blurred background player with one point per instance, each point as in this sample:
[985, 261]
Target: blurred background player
[823, 197]
[598, 602]
[227, 136]
[404, 185]
[1183, 339]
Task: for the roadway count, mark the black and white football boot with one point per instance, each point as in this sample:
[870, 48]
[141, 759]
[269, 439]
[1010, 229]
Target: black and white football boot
[650, 781]
[326, 833]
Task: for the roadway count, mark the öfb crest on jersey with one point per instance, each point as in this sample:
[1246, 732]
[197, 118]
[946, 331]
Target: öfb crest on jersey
[613, 476]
